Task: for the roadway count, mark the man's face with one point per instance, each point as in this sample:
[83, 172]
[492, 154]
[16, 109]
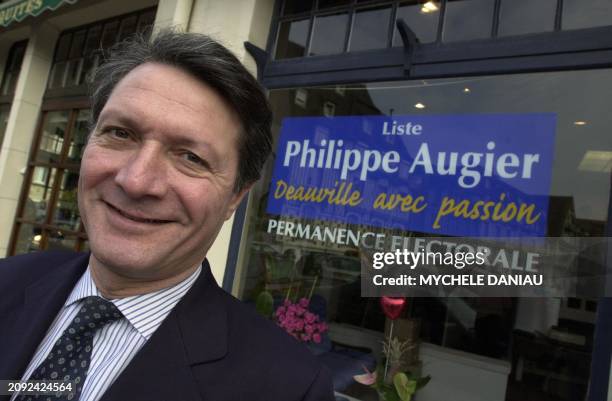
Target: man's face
[157, 176]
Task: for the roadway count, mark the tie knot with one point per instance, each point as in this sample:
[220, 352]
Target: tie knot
[94, 313]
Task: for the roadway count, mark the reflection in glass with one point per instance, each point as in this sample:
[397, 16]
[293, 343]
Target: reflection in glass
[329, 34]
[586, 13]
[292, 37]
[39, 193]
[525, 16]
[56, 240]
[52, 138]
[79, 136]
[422, 21]
[66, 212]
[28, 238]
[468, 19]
[370, 29]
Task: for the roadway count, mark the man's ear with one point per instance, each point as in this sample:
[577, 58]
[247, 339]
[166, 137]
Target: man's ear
[236, 199]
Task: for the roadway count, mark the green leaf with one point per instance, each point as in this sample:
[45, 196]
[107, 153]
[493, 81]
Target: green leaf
[404, 386]
[264, 304]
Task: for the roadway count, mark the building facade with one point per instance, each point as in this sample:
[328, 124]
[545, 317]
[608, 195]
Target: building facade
[355, 84]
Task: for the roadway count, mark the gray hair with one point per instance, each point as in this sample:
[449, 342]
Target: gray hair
[209, 62]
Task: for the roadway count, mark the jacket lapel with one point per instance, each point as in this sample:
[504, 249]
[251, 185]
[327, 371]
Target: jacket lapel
[42, 301]
[194, 332]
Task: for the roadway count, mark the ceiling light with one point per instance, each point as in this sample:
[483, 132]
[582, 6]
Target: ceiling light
[419, 105]
[429, 7]
[466, 90]
[579, 122]
[596, 161]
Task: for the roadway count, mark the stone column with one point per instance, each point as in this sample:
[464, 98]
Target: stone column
[22, 121]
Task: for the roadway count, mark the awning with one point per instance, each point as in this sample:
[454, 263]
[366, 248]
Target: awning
[18, 10]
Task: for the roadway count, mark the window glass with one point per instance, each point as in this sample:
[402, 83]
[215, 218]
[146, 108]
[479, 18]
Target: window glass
[370, 29]
[523, 16]
[502, 334]
[92, 42]
[52, 138]
[292, 37]
[579, 14]
[59, 241]
[423, 20]
[39, 194]
[28, 238]
[468, 19]
[79, 136]
[329, 34]
[109, 35]
[63, 47]
[66, 211]
[78, 42]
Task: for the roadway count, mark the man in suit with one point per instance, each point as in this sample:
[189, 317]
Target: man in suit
[181, 133]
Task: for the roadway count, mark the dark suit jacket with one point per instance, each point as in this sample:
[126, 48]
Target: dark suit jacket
[210, 347]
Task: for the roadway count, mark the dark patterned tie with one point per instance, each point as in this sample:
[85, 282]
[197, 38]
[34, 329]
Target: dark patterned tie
[71, 355]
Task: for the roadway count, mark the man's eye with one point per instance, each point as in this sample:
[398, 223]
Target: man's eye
[118, 133]
[194, 159]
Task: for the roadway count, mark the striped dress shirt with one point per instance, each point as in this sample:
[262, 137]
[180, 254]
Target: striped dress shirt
[117, 343]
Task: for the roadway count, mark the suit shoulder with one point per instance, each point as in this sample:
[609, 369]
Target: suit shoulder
[21, 270]
[268, 341]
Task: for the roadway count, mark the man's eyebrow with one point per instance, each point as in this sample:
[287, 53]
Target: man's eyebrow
[128, 121]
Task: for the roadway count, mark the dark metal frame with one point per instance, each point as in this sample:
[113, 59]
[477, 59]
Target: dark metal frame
[551, 51]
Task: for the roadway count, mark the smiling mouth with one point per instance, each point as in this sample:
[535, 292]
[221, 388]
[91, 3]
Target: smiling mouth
[136, 219]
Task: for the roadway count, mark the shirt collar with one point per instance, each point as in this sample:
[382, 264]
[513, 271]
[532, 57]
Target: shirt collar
[144, 312]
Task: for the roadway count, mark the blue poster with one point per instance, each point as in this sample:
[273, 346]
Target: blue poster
[462, 175]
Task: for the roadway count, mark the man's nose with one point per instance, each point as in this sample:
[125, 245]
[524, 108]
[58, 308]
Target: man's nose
[144, 173]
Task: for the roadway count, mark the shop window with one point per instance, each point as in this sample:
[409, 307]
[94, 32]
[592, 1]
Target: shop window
[292, 39]
[579, 14]
[79, 50]
[541, 348]
[519, 17]
[329, 34]
[468, 20]
[421, 18]
[370, 28]
[48, 216]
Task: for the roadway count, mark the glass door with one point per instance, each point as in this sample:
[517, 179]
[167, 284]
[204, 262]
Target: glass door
[48, 216]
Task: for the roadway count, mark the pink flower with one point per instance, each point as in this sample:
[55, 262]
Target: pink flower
[316, 337]
[368, 378]
[304, 302]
